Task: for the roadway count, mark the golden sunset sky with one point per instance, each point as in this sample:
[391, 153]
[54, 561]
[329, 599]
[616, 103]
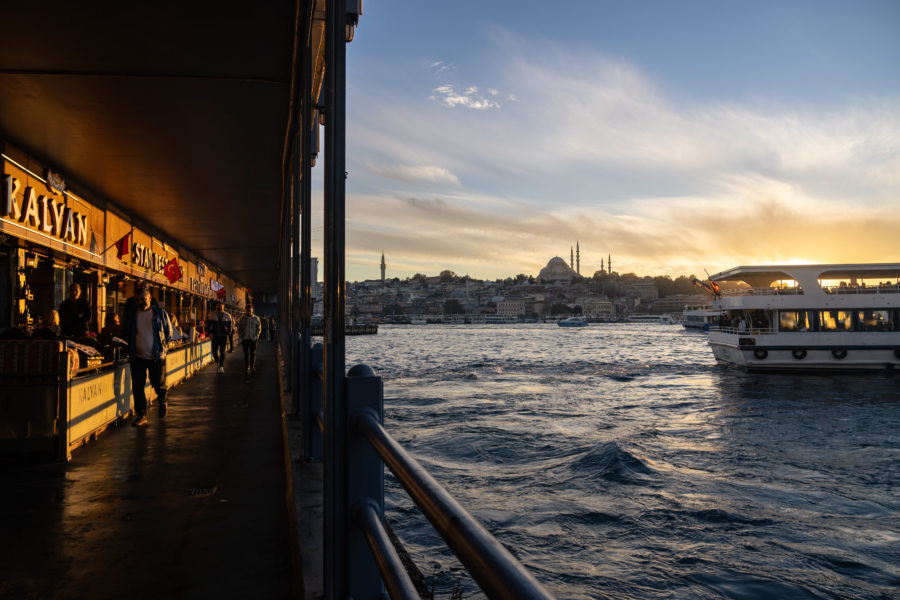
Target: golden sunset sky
[487, 138]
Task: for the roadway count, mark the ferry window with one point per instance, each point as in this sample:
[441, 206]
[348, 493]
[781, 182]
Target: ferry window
[794, 320]
[874, 320]
[835, 320]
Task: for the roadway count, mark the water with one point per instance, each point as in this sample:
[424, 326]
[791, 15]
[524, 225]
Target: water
[619, 461]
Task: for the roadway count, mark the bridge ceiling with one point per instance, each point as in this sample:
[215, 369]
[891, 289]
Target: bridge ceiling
[175, 111]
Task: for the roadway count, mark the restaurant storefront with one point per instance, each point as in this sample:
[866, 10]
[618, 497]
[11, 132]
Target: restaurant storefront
[53, 234]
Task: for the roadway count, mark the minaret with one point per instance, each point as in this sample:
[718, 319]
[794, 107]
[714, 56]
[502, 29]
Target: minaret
[601, 263]
[571, 257]
[609, 263]
[577, 258]
[382, 267]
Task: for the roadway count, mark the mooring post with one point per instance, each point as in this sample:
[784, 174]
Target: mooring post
[365, 482]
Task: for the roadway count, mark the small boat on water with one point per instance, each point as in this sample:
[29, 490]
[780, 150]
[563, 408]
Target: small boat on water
[650, 318]
[572, 322]
[701, 318]
[809, 317]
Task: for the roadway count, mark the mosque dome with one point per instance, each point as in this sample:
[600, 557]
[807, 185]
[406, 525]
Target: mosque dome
[557, 270]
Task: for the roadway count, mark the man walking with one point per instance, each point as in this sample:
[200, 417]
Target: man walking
[249, 329]
[219, 325]
[147, 330]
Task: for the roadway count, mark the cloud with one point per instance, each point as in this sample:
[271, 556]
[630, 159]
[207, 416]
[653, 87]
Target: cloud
[470, 98]
[414, 173]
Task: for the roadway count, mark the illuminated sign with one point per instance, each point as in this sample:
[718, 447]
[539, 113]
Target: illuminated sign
[145, 258]
[198, 286]
[44, 214]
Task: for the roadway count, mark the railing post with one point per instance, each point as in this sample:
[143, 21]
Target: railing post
[312, 407]
[365, 482]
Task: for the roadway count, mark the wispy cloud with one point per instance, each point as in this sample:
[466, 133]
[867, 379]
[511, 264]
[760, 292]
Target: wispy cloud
[414, 173]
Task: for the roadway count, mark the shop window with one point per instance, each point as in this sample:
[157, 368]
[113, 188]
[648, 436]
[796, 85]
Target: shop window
[6, 289]
[835, 320]
[874, 320]
[794, 320]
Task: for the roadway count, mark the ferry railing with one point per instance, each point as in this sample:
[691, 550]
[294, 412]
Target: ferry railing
[376, 564]
[747, 331]
[764, 291]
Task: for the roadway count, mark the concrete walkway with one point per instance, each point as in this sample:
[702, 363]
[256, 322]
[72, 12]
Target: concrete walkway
[191, 506]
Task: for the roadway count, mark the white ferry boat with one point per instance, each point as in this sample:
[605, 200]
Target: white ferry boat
[701, 318]
[809, 317]
[650, 318]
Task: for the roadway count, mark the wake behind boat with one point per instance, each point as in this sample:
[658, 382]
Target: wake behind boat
[809, 317]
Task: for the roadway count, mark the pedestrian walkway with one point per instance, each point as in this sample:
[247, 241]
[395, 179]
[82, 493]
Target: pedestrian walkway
[190, 506]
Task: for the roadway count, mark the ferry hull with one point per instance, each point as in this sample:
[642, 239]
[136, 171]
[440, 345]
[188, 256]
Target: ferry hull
[799, 357]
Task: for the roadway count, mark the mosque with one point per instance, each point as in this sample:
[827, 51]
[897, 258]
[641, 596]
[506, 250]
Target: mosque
[558, 270]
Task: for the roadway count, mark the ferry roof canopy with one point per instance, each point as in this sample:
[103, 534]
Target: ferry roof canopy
[765, 275]
[175, 111]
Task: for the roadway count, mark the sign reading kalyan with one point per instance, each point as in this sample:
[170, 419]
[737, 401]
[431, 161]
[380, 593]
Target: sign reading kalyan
[43, 208]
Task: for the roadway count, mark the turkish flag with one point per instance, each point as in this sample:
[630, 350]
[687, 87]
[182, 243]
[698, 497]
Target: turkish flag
[122, 246]
[171, 271]
[220, 294]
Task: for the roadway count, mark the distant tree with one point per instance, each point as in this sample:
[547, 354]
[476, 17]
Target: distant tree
[577, 310]
[393, 309]
[558, 308]
[354, 311]
[452, 307]
[521, 278]
[419, 277]
[447, 276]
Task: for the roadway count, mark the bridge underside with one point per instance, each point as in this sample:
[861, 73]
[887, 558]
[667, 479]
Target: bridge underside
[176, 112]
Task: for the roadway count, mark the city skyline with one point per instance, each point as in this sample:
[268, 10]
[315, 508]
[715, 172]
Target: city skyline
[676, 137]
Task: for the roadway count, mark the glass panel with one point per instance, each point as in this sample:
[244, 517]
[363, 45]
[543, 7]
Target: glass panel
[835, 320]
[874, 320]
[793, 320]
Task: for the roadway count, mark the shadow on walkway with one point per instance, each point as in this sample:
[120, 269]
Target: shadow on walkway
[191, 506]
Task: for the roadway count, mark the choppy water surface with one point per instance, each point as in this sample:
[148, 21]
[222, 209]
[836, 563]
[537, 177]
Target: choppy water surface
[619, 461]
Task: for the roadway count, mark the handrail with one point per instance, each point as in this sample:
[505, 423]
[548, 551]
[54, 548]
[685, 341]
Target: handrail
[395, 577]
[493, 567]
[320, 419]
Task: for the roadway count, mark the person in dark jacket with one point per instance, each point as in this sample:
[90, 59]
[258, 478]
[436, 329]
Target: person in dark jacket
[147, 330]
[219, 325]
[74, 313]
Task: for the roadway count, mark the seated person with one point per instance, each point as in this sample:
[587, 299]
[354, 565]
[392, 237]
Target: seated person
[113, 327]
[49, 329]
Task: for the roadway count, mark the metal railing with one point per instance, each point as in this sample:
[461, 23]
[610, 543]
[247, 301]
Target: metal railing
[376, 563]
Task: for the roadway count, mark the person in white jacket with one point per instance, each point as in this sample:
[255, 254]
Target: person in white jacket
[249, 328]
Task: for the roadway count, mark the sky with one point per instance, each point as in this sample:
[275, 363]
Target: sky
[487, 137]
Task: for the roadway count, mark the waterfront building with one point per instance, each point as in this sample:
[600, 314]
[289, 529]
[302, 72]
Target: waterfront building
[511, 308]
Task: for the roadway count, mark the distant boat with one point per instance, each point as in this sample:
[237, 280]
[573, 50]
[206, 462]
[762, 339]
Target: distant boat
[417, 321]
[649, 318]
[572, 322]
[701, 318]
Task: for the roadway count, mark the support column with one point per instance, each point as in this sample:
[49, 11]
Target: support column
[336, 513]
[307, 137]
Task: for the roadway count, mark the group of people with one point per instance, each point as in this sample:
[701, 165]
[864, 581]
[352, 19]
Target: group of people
[149, 331]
